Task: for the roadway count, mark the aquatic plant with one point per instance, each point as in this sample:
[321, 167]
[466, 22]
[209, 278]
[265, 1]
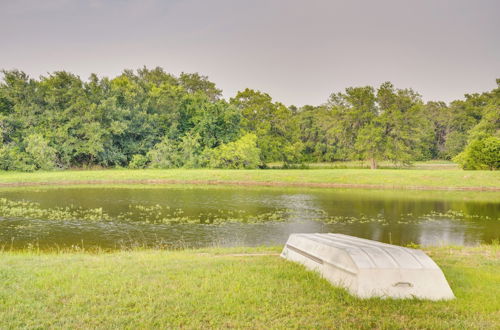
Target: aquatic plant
[164, 214]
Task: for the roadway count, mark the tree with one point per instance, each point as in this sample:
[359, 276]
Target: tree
[273, 124]
[351, 111]
[12, 158]
[454, 144]
[483, 149]
[370, 142]
[165, 154]
[190, 150]
[373, 126]
[242, 153]
[481, 154]
[401, 114]
[216, 123]
[194, 83]
[149, 117]
[41, 155]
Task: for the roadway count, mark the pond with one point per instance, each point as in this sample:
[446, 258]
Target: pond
[177, 216]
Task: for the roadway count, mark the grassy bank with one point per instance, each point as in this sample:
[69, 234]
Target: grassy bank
[227, 288]
[418, 165]
[361, 178]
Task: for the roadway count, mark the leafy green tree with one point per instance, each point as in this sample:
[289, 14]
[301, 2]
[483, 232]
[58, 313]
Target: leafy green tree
[194, 83]
[12, 158]
[41, 155]
[216, 123]
[292, 153]
[454, 144]
[483, 149]
[190, 150]
[489, 125]
[438, 115]
[350, 112]
[142, 126]
[242, 153]
[165, 154]
[373, 126]
[400, 111]
[273, 124]
[370, 143]
[149, 117]
[320, 133]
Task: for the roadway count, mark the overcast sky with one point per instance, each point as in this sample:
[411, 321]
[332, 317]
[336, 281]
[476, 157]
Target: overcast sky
[297, 51]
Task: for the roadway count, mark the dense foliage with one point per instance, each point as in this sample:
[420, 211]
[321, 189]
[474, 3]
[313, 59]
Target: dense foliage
[150, 118]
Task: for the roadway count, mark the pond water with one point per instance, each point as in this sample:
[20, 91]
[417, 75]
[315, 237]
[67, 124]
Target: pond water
[115, 217]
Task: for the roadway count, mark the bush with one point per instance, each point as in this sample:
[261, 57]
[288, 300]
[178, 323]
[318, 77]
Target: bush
[41, 155]
[481, 154]
[165, 155]
[36, 155]
[292, 153]
[138, 161]
[242, 153]
[171, 154]
[13, 159]
[189, 149]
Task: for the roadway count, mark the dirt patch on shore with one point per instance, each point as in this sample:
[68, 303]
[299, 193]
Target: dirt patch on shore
[242, 183]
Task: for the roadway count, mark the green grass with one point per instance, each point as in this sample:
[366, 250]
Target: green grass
[422, 165]
[218, 288]
[382, 178]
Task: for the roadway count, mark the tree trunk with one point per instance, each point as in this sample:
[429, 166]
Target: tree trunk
[373, 163]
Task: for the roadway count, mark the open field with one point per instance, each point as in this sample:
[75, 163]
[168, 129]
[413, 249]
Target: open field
[355, 178]
[240, 287]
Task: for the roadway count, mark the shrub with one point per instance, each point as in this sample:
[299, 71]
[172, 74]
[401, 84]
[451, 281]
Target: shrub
[242, 153]
[189, 149]
[41, 155]
[165, 154]
[14, 159]
[481, 154]
[138, 161]
[292, 153]
[36, 155]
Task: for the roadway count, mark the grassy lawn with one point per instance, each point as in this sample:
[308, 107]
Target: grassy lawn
[382, 178]
[223, 288]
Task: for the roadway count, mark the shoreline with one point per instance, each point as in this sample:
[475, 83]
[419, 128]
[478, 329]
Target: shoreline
[245, 183]
[482, 249]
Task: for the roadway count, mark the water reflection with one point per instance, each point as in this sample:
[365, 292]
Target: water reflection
[131, 216]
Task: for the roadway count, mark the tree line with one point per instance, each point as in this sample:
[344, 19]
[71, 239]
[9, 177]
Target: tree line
[150, 118]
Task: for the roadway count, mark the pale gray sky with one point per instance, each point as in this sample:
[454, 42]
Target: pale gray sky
[297, 51]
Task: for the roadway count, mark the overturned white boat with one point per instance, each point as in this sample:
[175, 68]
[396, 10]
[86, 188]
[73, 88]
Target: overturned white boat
[368, 268]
